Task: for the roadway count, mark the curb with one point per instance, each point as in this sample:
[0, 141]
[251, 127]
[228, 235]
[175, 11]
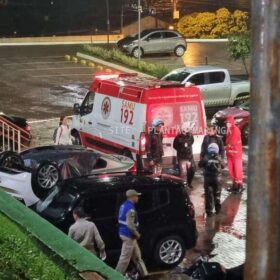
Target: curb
[112, 65]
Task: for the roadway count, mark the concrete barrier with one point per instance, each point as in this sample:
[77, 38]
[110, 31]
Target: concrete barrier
[56, 242]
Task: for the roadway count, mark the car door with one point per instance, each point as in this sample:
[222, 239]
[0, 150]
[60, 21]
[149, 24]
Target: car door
[218, 90]
[152, 43]
[169, 41]
[201, 80]
[86, 113]
[102, 210]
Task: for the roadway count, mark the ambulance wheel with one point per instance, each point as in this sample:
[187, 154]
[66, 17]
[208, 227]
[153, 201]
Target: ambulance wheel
[127, 153]
[76, 138]
[136, 53]
[179, 51]
[170, 251]
[12, 160]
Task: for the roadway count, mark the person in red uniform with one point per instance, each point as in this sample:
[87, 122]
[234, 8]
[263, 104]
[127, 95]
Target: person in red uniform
[234, 155]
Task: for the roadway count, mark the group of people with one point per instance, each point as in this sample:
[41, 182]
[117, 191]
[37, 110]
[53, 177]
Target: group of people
[212, 158]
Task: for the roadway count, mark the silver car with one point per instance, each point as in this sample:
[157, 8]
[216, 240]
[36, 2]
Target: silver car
[154, 41]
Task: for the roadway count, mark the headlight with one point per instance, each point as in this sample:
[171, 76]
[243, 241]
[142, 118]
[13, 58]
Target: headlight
[238, 121]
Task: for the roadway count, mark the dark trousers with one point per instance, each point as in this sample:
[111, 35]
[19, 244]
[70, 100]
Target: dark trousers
[212, 190]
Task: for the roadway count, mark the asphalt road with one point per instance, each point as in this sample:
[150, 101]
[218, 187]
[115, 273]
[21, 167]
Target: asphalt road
[36, 82]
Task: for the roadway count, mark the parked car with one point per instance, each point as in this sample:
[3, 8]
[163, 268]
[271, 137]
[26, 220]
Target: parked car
[241, 115]
[38, 170]
[153, 41]
[216, 85]
[17, 123]
[166, 214]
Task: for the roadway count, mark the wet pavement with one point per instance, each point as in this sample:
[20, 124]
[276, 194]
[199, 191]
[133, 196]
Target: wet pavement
[38, 83]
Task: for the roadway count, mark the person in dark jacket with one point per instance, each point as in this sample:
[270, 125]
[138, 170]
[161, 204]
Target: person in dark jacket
[212, 137]
[212, 165]
[183, 145]
[155, 146]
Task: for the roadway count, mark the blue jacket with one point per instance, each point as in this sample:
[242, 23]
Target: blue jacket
[124, 209]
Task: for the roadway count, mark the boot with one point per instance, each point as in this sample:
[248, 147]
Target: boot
[240, 188]
[232, 188]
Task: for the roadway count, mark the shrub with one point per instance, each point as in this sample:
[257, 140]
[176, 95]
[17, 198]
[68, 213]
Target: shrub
[220, 24]
[20, 258]
[117, 56]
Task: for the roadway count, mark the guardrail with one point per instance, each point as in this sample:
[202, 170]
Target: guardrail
[55, 241]
[13, 137]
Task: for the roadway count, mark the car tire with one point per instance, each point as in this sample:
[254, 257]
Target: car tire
[46, 177]
[12, 160]
[245, 134]
[179, 51]
[135, 52]
[240, 102]
[170, 251]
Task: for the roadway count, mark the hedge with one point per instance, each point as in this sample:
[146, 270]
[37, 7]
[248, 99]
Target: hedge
[22, 259]
[115, 55]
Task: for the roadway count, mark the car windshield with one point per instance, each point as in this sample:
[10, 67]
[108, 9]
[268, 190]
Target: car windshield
[58, 201]
[176, 76]
[245, 106]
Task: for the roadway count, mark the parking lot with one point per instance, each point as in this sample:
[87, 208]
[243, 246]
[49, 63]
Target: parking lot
[39, 84]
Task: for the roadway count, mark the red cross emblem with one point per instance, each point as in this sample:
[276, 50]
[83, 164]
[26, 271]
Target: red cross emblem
[106, 107]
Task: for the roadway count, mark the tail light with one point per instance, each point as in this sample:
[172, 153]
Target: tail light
[133, 169]
[142, 143]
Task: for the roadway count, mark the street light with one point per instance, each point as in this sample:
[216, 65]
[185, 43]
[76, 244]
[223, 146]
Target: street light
[139, 28]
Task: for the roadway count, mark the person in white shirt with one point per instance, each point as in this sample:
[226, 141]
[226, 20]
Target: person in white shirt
[63, 134]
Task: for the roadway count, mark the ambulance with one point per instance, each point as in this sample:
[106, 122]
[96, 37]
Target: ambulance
[116, 114]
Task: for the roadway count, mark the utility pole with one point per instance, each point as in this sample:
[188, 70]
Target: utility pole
[139, 8]
[108, 22]
[263, 229]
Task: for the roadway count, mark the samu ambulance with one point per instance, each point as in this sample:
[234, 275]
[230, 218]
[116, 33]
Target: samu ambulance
[116, 115]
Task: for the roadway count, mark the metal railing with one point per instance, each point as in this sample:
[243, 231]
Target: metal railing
[12, 137]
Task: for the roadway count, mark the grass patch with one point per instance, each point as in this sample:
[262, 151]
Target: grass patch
[22, 259]
[115, 55]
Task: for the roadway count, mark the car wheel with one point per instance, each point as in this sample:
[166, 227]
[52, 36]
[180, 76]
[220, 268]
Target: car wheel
[46, 176]
[240, 102]
[12, 160]
[245, 134]
[136, 54]
[179, 51]
[170, 251]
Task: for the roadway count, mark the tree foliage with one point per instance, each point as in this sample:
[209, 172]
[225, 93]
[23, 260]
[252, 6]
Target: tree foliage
[239, 47]
[220, 24]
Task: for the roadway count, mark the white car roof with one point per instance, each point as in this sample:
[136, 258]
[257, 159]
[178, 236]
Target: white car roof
[192, 69]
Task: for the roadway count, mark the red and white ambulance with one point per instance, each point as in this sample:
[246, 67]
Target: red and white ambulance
[116, 115]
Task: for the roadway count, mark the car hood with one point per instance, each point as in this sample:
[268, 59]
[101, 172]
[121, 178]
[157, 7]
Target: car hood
[234, 111]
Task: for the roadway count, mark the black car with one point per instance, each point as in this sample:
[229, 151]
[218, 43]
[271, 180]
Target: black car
[166, 214]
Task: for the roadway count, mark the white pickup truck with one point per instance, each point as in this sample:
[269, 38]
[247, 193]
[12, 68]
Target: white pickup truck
[217, 87]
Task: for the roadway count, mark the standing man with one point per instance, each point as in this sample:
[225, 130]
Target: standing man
[212, 164]
[234, 155]
[86, 233]
[129, 234]
[183, 145]
[155, 146]
[212, 137]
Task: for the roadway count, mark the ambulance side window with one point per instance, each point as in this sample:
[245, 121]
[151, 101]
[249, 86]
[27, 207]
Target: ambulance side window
[88, 104]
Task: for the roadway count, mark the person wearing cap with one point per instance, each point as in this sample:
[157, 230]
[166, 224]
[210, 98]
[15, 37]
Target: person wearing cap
[212, 165]
[155, 146]
[86, 233]
[183, 145]
[234, 155]
[129, 234]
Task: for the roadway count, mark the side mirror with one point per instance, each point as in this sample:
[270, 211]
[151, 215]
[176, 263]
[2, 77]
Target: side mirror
[76, 109]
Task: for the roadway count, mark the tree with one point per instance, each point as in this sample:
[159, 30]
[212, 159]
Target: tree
[220, 24]
[239, 48]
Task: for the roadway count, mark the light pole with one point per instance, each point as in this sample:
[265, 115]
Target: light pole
[108, 22]
[139, 29]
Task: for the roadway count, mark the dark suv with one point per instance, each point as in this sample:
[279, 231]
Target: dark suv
[166, 214]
